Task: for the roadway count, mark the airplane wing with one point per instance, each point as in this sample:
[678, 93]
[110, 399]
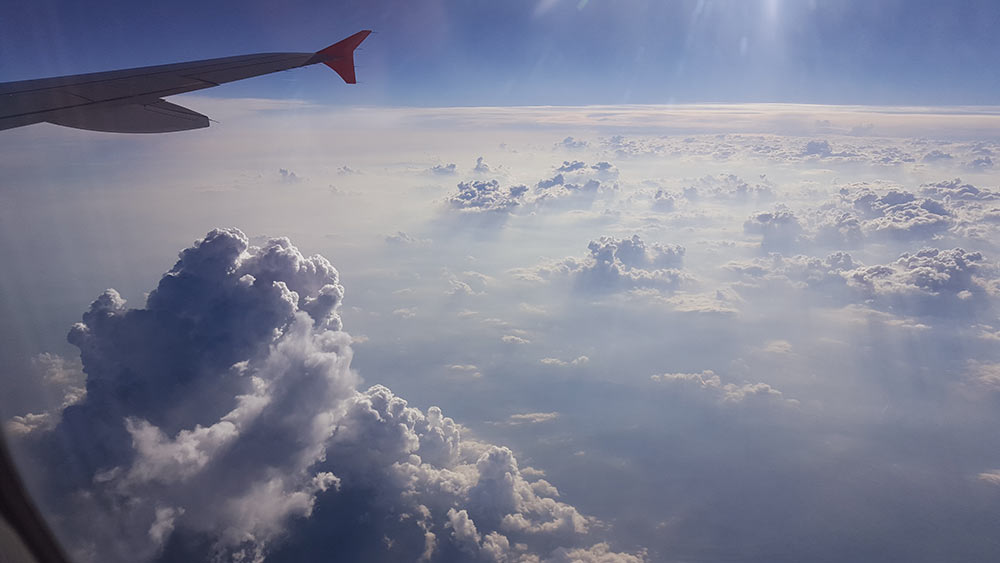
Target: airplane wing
[131, 101]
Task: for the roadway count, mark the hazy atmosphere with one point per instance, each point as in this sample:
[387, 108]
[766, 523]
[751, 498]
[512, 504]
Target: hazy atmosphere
[487, 324]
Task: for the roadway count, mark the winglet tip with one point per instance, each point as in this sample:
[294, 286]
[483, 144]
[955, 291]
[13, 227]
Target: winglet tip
[340, 55]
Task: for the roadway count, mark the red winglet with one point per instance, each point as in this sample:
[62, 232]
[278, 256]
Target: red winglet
[340, 56]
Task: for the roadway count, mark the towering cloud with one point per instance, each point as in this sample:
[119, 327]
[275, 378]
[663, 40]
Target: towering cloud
[222, 422]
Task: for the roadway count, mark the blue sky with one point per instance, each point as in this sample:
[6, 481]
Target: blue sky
[545, 52]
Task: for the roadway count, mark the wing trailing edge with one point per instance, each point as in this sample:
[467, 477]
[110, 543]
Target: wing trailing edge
[160, 116]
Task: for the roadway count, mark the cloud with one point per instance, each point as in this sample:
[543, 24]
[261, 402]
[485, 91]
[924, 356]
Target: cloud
[467, 283]
[837, 228]
[578, 361]
[557, 180]
[490, 510]
[936, 156]
[725, 392]
[287, 176]
[663, 201]
[778, 347]
[818, 148]
[602, 169]
[236, 361]
[729, 187]
[449, 169]
[222, 421]
[573, 144]
[798, 271]
[532, 309]
[512, 339]
[991, 477]
[615, 264]
[599, 553]
[779, 229]
[720, 302]
[487, 196]
[986, 375]
[481, 166]
[930, 281]
[573, 166]
[955, 189]
[980, 164]
[900, 214]
[65, 378]
[469, 370]
[576, 184]
[459, 287]
[532, 418]
[886, 213]
[403, 239]
[785, 149]
[27, 423]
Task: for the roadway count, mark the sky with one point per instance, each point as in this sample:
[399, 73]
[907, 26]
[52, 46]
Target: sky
[545, 52]
[549, 284]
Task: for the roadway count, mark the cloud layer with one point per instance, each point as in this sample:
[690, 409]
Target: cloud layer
[814, 289]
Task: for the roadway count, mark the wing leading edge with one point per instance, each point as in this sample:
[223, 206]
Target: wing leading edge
[130, 101]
